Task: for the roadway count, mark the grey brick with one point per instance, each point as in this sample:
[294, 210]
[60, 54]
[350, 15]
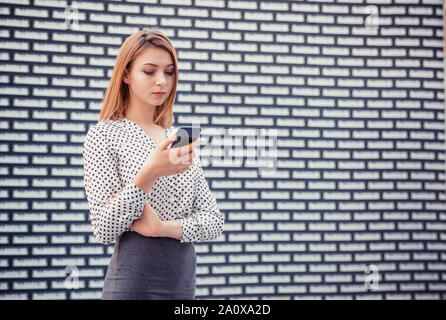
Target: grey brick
[84, 295]
[67, 262]
[307, 236]
[427, 296]
[396, 296]
[259, 247]
[291, 268]
[234, 290]
[307, 257]
[328, 257]
[211, 259]
[240, 258]
[202, 270]
[8, 274]
[352, 247]
[233, 226]
[14, 296]
[323, 288]
[19, 251]
[291, 226]
[211, 280]
[321, 226]
[337, 237]
[264, 268]
[29, 262]
[396, 236]
[243, 237]
[29, 285]
[276, 279]
[275, 258]
[322, 247]
[259, 289]
[29, 239]
[424, 276]
[90, 250]
[307, 278]
[291, 289]
[243, 279]
[275, 6]
[291, 247]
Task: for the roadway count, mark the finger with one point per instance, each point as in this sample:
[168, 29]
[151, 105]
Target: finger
[184, 159]
[187, 159]
[196, 143]
[174, 156]
[169, 140]
[190, 147]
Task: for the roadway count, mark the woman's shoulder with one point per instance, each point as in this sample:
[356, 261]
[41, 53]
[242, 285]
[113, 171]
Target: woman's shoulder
[107, 125]
[104, 129]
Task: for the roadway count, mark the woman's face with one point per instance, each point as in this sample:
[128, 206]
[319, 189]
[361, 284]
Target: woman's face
[152, 71]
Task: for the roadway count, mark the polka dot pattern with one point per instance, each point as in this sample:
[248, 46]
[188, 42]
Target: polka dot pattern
[113, 153]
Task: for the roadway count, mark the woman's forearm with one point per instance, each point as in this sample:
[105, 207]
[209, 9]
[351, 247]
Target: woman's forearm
[149, 225]
[145, 179]
[169, 229]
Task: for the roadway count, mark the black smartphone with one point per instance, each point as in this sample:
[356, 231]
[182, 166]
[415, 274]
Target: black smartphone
[185, 136]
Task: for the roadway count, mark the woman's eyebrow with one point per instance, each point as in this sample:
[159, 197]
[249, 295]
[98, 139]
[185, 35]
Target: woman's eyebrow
[157, 65]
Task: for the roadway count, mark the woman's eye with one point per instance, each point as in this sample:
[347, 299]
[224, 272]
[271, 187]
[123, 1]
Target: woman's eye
[151, 72]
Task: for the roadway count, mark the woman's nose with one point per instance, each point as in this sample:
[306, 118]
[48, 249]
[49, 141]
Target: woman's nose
[161, 78]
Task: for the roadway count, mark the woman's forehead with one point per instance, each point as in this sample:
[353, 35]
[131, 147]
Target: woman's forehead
[154, 57]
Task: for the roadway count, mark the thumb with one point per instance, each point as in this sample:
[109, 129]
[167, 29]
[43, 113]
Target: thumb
[169, 140]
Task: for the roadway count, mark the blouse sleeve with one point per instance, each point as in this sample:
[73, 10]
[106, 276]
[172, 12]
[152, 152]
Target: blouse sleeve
[205, 222]
[101, 180]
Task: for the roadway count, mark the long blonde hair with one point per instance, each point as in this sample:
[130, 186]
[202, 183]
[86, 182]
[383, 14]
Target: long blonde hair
[117, 94]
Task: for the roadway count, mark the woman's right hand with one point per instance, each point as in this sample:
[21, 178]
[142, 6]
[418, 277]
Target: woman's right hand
[166, 161]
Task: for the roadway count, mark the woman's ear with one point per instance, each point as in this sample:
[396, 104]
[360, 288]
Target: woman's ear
[125, 78]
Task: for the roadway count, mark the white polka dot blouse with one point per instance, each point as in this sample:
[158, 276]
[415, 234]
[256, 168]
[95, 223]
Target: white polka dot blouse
[113, 153]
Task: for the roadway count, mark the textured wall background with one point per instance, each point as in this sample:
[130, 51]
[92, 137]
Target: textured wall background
[354, 88]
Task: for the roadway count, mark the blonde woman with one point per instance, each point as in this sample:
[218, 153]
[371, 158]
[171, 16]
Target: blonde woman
[153, 201]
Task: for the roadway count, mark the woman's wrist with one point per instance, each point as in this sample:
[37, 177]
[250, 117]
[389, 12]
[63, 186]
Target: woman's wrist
[171, 229]
[145, 179]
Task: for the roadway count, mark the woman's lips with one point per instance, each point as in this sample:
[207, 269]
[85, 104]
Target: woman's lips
[159, 94]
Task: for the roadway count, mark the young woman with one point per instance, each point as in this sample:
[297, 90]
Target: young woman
[153, 201]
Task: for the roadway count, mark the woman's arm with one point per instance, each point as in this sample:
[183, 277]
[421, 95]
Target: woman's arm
[101, 179]
[149, 225]
[205, 221]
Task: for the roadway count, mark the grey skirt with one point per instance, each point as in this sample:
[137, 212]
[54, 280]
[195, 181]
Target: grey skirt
[144, 268]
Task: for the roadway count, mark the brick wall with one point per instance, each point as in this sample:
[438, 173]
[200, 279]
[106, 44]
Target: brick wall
[353, 89]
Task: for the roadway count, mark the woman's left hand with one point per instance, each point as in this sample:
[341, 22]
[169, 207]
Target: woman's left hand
[148, 224]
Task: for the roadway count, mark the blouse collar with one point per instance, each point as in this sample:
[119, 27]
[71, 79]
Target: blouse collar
[127, 122]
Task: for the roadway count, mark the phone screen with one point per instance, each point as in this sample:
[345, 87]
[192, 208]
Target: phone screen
[186, 135]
